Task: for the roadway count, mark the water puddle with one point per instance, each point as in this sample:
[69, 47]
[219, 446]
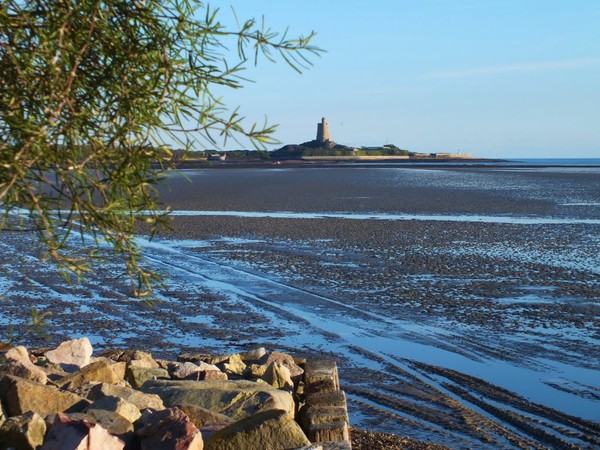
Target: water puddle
[394, 217]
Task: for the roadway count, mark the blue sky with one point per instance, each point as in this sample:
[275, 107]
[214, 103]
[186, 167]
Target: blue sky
[492, 78]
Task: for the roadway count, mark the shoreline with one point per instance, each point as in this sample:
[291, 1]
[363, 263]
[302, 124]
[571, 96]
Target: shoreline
[475, 163]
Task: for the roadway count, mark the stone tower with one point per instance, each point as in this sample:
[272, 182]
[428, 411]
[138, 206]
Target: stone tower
[323, 131]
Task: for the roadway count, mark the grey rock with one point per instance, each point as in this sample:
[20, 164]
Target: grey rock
[321, 375]
[233, 365]
[71, 355]
[254, 355]
[101, 371]
[20, 396]
[234, 398]
[95, 391]
[24, 432]
[26, 370]
[274, 429]
[137, 376]
[202, 417]
[117, 405]
[287, 360]
[278, 376]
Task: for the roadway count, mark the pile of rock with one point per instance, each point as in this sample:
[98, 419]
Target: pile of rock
[64, 398]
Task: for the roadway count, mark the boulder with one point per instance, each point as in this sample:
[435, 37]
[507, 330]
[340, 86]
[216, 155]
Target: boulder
[18, 353]
[314, 415]
[169, 429]
[202, 417]
[71, 355]
[198, 357]
[254, 355]
[26, 370]
[24, 432]
[274, 429]
[117, 405]
[255, 370]
[278, 376]
[321, 375]
[137, 376]
[95, 391]
[111, 421]
[20, 396]
[329, 432]
[20, 365]
[213, 375]
[142, 359]
[191, 371]
[233, 365]
[287, 360]
[234, 398]
[70, 434]
[101, 371]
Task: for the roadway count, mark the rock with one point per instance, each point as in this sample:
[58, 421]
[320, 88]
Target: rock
[321, 375]
[117, 405]
[20, 365]
[326, 398]
[210, 429]
[322, 414]
[329, 432]
[274, 429]
[191, 371]
[137, 376]
[234, 398]
[216, 359]
[69, 434]
[71, 355]
[170, 429]
[278, 376]
[287, 360]
[111, 421]
[197, 358]
[233, 365]
[100, 371]
[18, 353]
[254, 355]
[202, 417]
[255, 370]
[213, 375]
[26, 370]
[23, 432]
[142, 359]
[20, 395]
[141, 400]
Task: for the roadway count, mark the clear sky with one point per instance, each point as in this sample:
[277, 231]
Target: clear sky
[494, 78]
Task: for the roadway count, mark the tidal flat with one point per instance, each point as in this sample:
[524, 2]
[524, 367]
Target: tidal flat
[462, 304]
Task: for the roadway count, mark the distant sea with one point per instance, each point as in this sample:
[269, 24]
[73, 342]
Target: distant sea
[554, 161]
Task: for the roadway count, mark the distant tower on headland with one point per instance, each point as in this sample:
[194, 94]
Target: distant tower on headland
[323, 131]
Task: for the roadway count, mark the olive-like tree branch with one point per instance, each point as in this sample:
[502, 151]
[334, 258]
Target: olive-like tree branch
[92, 92]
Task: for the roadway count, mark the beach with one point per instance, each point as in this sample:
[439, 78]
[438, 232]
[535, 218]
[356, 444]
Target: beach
[461, 303]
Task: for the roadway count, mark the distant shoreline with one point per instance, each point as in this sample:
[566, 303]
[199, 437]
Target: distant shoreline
[472, 163]
[321, 163]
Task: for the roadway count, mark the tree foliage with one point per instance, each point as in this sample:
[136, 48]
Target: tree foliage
[92, 95]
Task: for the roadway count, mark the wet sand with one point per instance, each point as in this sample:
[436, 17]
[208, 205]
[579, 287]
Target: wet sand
[463, 333]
